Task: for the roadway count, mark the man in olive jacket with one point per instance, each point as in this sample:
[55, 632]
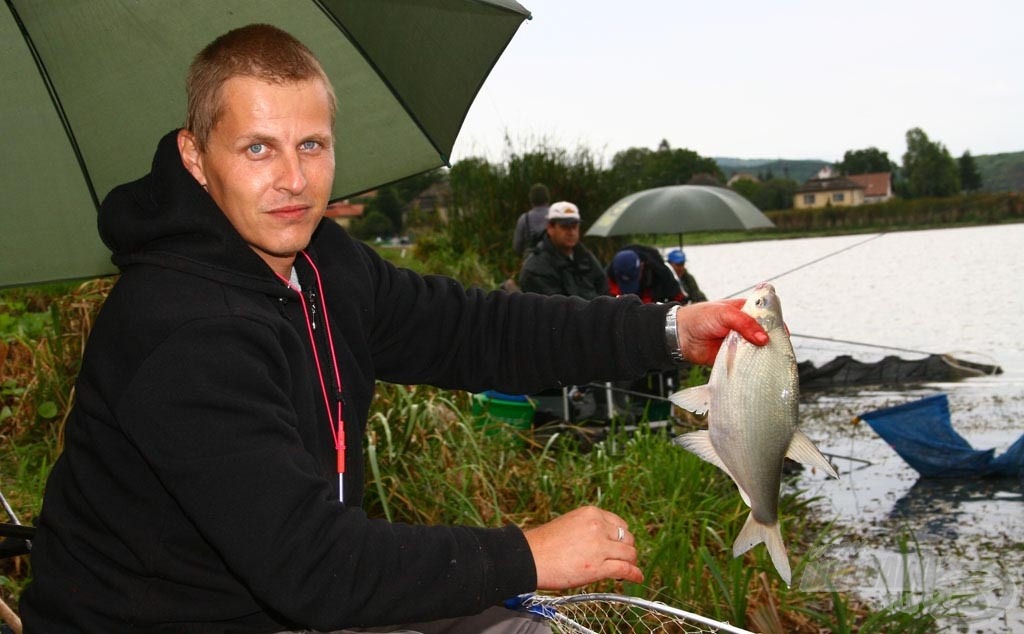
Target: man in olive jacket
[560, 264]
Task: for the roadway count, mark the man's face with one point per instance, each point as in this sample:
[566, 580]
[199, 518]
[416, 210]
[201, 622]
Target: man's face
[564, 235]
[680, 269]
[268, 164]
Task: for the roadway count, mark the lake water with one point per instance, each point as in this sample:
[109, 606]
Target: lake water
[938, 291]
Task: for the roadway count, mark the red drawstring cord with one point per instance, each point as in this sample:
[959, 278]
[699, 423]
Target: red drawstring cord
[337, 428]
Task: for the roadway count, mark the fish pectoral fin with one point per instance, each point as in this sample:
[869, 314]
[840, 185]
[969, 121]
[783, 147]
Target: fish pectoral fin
[699, 443]
[695, 399]
[754, 533]
[802, 449]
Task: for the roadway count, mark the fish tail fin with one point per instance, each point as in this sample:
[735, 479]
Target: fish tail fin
[754, 533]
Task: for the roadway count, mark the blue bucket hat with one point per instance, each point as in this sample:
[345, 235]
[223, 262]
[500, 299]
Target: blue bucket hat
[626, 267]
[676, 256]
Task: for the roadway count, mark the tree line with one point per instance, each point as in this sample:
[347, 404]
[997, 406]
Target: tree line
[488, 197]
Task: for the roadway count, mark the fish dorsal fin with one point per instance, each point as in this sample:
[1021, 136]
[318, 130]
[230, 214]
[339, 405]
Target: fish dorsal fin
[699, 443]
[695, 399]
[802, 449]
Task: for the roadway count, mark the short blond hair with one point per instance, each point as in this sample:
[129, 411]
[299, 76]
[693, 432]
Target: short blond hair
[261, 51]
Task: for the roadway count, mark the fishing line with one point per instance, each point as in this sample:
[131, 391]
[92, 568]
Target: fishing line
[830, 339]
[806, 264]
[860, 343]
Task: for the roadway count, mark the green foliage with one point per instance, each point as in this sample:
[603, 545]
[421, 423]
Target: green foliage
[488, 198]
[388, 203]
[437, 253]
[866, 161]
[970, 177]
[902, 214]
[637, 169]
[1001, 172]
[775, 194]
[928, 169]
[372, 226]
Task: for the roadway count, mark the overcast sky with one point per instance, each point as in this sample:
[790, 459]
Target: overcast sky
[756, 79]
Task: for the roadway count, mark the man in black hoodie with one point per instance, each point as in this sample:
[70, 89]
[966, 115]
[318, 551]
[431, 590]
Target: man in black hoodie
[201, 488]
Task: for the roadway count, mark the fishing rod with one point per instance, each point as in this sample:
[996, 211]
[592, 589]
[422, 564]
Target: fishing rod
[860, 343]
[806, 264]
[831, 339]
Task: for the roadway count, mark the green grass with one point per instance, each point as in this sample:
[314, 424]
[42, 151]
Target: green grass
[429, 462]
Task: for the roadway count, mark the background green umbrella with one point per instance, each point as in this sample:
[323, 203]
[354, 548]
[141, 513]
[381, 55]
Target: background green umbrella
[679, 209]
[90, 86]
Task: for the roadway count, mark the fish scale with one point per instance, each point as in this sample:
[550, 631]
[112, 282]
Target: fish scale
[752, 401]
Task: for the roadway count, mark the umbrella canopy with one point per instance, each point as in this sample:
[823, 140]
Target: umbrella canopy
[678, 209]
[90, 86]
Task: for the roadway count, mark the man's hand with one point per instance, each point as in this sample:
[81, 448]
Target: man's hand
[702, 327]
[582, 547]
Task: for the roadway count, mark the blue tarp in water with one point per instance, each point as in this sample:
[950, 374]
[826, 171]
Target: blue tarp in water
[922, 434]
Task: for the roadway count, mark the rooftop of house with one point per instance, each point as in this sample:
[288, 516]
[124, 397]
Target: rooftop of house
[876, 184]
[832, 184]
[344, 209]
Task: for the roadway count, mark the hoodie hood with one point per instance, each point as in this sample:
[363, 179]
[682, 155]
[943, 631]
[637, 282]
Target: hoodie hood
[166, 218]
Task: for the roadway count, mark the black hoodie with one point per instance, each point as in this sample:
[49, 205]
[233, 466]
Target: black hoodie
[197, 489]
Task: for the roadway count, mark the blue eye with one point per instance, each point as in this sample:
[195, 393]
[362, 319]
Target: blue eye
[256, 148]
[309, 145]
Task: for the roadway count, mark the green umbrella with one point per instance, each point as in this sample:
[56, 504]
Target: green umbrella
[679, 209]
[89, 88]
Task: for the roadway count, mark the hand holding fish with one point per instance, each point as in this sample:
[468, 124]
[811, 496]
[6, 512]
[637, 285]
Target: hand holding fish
[583, 546]
[703, 326]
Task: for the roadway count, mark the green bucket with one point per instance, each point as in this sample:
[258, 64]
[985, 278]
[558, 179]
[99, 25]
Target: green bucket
[495, 415]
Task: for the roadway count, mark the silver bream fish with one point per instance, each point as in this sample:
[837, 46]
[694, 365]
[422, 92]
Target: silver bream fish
[751, 399]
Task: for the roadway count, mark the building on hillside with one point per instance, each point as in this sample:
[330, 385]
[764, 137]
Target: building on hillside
[343, 211]
[435, 199]
[877, 186]
[826, 190]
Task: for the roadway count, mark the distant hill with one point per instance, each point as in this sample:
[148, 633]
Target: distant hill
[798, 170]
[1001, 172]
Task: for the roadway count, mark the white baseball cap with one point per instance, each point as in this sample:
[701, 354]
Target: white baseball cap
[563, 211]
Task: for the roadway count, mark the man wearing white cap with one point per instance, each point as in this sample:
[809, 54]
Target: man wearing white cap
[560, 264]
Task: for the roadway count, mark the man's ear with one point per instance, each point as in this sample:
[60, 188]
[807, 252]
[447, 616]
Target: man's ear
[191, 157]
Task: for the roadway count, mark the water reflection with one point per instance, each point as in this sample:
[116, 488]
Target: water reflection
[936, 507]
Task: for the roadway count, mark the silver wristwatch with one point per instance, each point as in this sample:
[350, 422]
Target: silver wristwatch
[672, 335]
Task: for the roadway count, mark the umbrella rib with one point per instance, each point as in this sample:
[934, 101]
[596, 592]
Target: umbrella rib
[384, 80]
[55, 100]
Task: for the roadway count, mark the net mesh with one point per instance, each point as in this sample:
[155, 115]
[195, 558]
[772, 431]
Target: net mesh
[596, 614]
